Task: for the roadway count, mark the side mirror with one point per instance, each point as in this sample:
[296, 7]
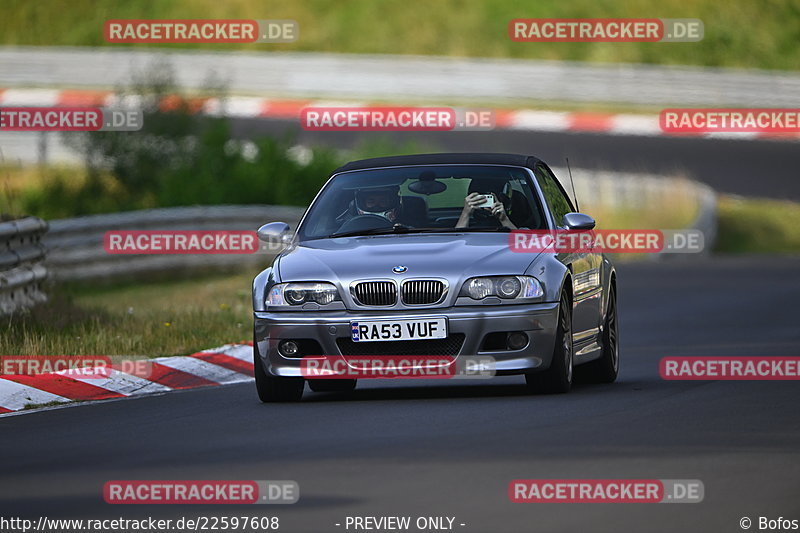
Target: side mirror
[578, 221]
[275, 231]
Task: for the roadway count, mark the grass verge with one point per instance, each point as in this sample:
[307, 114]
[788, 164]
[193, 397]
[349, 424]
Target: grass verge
[153, 319]
[740, 33]
[758, 225]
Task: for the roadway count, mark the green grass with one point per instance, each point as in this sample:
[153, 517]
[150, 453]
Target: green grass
[758, 225]
[144, 319]
[32, 406]
[738, 33]
[679, 217]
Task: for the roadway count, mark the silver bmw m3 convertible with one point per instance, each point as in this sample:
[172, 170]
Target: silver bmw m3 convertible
[411, 256]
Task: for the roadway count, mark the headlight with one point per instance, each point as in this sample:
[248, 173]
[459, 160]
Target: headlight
[292, 294]
[505, 287]
[479, 288]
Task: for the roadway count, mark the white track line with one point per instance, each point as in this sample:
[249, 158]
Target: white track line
[30, 97]
[635, 125]
[254, 106]
[539, 121]
[119, 382]
[243, 352]
[340, 103]
[16, 396]
[220, 349]
[235, 106]
[203, 369]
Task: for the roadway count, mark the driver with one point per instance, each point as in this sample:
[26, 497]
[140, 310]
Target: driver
[384, 202]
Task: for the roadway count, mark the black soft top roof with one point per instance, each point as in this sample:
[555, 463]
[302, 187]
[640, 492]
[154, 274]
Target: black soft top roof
[442, 159]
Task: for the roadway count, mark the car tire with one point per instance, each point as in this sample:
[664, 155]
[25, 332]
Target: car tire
[606, 369]
[273, 389]
[332, 385]
[558, 378]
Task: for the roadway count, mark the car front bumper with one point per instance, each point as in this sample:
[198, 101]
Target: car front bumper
[537, 321]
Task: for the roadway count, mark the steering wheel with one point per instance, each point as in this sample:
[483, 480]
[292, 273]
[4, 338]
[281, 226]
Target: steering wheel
[365, 222]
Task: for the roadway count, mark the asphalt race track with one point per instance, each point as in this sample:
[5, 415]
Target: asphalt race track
[762, 168]
[421, 448]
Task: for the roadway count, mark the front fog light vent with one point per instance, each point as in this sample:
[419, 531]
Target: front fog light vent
[288, 348]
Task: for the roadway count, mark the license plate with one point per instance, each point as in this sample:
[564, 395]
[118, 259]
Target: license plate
[399, 330]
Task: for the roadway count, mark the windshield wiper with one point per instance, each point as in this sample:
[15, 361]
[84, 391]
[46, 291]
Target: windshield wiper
[399, 228]
[501, 229]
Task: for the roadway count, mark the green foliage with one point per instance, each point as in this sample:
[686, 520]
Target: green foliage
[758, 225]
[174, 317]
[164, 165]
[179, 157]
[738, 33]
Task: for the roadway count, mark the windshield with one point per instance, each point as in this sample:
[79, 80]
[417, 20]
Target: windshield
[424, 199]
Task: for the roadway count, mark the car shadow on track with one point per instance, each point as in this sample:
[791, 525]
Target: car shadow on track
[439, 392]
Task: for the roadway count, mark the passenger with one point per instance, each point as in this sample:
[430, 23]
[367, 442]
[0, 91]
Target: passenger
[473, 210]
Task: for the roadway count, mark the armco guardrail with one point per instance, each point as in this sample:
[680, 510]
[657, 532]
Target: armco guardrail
[630, 191]
[406, 78]
[22, 271]
[75, 245]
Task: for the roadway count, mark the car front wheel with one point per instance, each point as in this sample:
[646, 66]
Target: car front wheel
[558, 378]
[606, 369]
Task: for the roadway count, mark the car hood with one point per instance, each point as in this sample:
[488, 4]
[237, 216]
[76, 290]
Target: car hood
[454, 256]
